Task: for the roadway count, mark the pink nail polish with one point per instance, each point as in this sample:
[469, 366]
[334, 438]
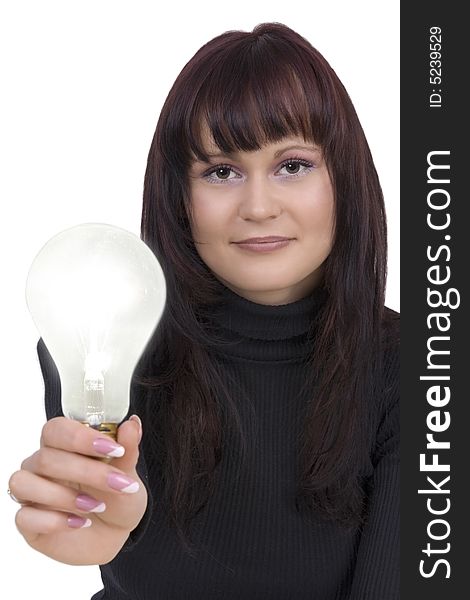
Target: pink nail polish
[77, 522]
[89, 504]
[139, 423]
[107, 447]
[122, 483]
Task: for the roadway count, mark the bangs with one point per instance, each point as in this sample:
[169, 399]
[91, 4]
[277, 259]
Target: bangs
[256, 93]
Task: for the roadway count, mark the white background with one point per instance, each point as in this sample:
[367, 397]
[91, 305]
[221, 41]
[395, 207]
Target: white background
[82, 87]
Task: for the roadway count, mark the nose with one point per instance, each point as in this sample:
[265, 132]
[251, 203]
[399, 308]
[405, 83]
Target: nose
[258, 200]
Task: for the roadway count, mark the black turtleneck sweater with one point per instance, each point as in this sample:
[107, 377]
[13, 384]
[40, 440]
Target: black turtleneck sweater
[255, 545]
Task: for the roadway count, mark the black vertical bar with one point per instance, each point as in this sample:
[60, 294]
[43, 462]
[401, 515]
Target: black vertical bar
[435, 271]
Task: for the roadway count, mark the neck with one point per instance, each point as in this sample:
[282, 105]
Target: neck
[265, 332]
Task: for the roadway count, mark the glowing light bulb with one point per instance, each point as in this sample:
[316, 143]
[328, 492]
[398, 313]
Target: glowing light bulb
[96, 294]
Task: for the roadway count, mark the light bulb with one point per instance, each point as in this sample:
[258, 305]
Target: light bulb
[96, 294]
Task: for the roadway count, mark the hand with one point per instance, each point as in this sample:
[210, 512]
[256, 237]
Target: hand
[75, 508]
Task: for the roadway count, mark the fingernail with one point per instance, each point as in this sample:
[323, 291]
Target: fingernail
[89, 504]
[109, 448]
[14, 498]
[122, 483]
[77, 522]
[137, 420]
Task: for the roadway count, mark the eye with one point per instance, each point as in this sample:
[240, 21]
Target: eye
[296, 166]
[219, 174]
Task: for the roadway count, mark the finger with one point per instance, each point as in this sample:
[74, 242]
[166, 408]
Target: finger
[129, 436]
[67, 466]
[73, 436]
[32, 522]
[32, 488]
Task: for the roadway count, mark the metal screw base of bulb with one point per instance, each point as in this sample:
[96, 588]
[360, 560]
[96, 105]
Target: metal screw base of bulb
[109, 429]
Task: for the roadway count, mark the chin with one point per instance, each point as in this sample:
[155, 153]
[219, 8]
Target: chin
[258, 285]
[262, 292]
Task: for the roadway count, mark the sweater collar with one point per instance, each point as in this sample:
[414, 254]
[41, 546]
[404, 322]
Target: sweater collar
[265, 332]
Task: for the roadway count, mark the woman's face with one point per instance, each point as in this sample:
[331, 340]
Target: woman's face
[282, 190]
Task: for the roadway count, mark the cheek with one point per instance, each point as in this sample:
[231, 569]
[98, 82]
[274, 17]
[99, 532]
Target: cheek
[328, 218]
[209, 220]
[316, 213]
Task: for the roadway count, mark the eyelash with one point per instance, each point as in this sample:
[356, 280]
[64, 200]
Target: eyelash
[301, 161]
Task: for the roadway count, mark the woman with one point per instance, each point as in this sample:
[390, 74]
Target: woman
[268, 465]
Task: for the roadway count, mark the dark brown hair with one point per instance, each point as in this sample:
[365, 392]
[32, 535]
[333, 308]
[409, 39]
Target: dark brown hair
[249, 89]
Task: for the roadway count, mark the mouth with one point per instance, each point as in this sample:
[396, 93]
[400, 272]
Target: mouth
[264, 240]
[264, 244]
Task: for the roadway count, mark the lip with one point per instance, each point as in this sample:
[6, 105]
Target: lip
[264, 244]
[264, 240]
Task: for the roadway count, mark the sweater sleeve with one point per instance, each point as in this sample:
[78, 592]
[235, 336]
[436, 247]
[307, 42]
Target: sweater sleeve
[53, 406]
[377, 573]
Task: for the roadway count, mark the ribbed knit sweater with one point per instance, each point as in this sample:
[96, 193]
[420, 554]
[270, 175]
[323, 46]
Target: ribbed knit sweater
[254, 544]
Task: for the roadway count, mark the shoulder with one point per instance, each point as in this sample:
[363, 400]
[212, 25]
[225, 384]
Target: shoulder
[391, 343]
[388, 374]
[388, 396]
[391, 327]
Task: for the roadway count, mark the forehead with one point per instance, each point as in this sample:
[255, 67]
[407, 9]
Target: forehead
[275, 148]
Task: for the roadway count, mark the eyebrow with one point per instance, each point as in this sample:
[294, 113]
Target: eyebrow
[276, 154]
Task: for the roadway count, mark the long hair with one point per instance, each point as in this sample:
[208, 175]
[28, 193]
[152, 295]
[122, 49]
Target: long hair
[249, 89]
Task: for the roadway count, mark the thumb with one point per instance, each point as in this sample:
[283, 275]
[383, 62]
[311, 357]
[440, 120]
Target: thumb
[129, 435]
